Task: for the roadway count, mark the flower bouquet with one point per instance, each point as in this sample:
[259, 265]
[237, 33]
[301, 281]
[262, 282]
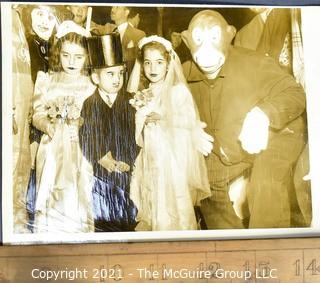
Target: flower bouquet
[63, 109]
[144, 102]
[141, 99]
[62, 150]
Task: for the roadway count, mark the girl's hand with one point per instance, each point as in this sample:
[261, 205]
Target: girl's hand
[153, 117]
[50, 129]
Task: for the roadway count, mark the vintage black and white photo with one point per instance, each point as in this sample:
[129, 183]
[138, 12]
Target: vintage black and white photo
[133, 122]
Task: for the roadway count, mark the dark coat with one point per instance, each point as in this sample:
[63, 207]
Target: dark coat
[39, 55]
[130, 41]
[246, 80]
[110, 129]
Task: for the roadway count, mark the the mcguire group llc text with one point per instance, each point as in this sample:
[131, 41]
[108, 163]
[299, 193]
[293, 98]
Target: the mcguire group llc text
[185, 273]
[150, 273]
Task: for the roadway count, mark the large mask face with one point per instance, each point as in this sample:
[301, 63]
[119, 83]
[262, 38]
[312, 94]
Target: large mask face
[43, 21]
[208, 38]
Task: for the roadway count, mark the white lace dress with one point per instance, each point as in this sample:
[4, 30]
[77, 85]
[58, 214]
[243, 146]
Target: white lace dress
[170, 175]
[63, 201]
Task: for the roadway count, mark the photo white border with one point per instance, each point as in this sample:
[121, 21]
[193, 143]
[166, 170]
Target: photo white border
[310, 22]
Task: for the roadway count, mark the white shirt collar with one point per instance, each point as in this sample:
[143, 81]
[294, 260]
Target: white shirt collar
[108, 98]
[122, 29]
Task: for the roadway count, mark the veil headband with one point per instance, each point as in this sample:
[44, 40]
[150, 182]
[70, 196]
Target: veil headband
[134, 81]
[154, 38]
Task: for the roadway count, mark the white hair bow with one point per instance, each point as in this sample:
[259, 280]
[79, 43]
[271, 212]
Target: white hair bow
[70, 26]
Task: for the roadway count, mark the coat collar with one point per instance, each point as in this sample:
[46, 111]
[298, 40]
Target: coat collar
[121, 96]
[127, 35]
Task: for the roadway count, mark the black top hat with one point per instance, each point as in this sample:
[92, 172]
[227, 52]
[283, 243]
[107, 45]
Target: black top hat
[105, 51]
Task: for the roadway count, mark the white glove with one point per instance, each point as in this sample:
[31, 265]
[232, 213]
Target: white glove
[254, 134]
[203, 141]
[307, 177]
[238, 196]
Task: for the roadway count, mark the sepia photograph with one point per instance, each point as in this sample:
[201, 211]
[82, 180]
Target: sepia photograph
[139, 122]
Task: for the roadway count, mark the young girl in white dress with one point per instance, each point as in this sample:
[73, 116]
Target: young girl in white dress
[63, 201]
[170, 176]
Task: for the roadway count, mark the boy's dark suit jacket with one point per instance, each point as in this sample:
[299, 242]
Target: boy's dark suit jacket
[110, 129]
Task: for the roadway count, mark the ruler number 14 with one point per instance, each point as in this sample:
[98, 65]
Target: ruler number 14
[313, 267]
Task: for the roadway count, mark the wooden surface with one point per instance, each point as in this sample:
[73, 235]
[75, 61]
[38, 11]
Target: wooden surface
[289, 260]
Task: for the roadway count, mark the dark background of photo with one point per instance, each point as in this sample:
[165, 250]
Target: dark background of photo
[234, 17]
[176, 18]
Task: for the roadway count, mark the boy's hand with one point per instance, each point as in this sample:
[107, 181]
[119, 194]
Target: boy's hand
[108, 162]
[122, 166]
[112, 165]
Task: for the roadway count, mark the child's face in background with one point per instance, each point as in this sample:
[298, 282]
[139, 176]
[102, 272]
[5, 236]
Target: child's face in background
[110, 79]
[79, 13]
[43, 21]
[154, 65]
[72, 58]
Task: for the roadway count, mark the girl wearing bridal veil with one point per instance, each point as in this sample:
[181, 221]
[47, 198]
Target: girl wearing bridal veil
[170, 176]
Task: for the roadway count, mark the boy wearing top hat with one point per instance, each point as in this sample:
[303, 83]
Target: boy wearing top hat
[107, 136]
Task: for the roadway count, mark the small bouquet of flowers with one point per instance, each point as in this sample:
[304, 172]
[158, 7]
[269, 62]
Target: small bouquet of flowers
[63, 109]
[144, 102]
[141, 98]
[64, 112]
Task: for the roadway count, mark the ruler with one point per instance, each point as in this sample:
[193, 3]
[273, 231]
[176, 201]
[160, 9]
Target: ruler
[274, 260]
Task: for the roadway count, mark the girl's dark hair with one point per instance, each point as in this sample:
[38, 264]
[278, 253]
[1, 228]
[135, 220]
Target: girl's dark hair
[144, 82]
[155, 46]
[54, 54]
